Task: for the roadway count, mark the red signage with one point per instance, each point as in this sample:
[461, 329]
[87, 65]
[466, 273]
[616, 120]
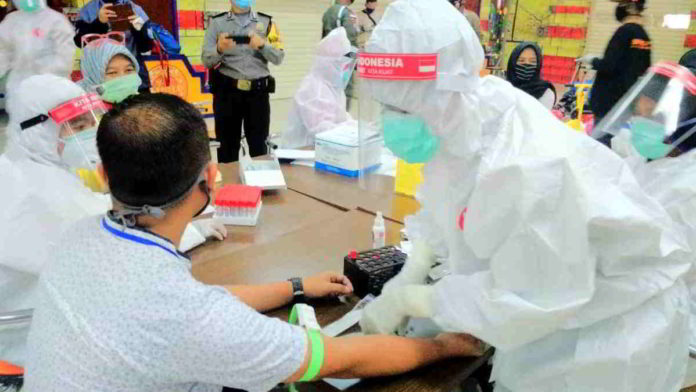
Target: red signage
[397, 66]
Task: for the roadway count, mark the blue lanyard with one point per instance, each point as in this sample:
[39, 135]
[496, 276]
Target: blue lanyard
[134, 238]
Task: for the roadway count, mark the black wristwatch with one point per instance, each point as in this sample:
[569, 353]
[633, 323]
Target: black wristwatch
[298, 295]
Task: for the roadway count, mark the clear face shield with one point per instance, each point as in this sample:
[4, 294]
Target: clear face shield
[78, 120]
[346, 66]
[383, 120]
[656, 118]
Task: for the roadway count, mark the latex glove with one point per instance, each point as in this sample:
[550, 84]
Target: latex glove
[390, 310]
[211, 228]
[587, 59]
[416, 268]
[137, 22]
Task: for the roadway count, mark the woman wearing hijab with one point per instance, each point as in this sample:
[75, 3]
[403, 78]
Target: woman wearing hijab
[110, 69]
[524, 72]
[94, 19]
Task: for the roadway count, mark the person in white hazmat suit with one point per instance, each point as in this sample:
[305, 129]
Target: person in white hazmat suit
[320, 102]
[43, 195]
[557, 257]
[34, 40]
[654, 128]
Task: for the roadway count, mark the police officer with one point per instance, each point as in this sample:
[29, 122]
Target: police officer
[339, 15]
[237, 48]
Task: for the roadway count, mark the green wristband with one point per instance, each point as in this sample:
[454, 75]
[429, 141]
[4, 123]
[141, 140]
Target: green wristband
[316, 360]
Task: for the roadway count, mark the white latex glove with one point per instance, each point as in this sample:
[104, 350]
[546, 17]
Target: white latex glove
[211, 228]
[390, 310]
[587, 59]
[416, 268]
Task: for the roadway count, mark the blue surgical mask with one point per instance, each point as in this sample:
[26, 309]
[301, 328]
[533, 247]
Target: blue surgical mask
[244, 4]
[409, 137]
[648, 138]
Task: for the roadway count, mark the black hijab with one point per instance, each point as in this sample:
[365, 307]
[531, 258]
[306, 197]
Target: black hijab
[536, 86]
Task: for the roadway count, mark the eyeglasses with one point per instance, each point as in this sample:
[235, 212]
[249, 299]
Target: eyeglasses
[115, 37]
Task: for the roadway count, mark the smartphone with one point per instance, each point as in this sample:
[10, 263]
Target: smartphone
[120, 22]
[240, 39]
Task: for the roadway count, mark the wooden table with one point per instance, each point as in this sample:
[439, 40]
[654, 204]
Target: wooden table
[282, 212]
[344, 192]
[319, 247]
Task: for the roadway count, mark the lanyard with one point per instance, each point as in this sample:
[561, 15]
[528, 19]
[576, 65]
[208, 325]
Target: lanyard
[135, 238]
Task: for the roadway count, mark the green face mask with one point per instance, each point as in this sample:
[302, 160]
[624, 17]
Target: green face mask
[648, 138]
[117, 90]
[409, 137]
[29, 5]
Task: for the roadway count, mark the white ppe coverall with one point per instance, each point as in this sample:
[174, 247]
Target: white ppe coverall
[320, 102]
[33, 43]
[557, 256]
[40, 199]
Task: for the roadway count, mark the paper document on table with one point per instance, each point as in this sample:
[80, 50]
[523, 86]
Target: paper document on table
[305, 155]
[348, 320]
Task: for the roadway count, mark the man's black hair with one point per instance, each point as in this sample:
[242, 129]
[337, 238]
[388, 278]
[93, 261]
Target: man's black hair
[153, 148]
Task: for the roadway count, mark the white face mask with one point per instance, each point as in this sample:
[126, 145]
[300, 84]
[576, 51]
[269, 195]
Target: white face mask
[80, 150]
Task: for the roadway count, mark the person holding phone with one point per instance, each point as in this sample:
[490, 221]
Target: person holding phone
[101, 17]
[237, 48]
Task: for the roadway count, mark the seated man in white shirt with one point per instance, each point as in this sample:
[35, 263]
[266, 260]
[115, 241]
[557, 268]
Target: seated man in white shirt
[120, 311]
[320, 102]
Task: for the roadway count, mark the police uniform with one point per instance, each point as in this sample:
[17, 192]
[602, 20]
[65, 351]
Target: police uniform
[340, 15]
[241, 81]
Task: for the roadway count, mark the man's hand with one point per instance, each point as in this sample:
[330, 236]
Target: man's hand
[326, 284]
[105, 13]
[256, 41]
[225, 43]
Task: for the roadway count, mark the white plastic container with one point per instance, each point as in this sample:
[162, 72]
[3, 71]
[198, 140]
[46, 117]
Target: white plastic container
[238, 205]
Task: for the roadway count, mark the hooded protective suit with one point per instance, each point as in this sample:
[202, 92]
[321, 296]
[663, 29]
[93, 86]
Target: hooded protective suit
[41, 199]
[557, 256]
[33, 43]
[320, 103]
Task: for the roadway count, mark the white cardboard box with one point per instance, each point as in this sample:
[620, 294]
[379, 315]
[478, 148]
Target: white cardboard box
[338, 151]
